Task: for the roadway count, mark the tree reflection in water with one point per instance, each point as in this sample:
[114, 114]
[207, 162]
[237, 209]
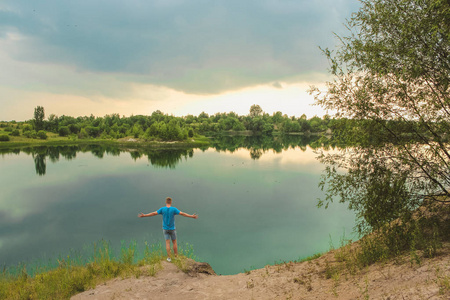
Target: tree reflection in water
[40, 163]
[169, 158]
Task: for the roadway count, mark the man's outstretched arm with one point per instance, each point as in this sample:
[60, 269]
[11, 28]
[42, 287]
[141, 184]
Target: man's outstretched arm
[141, 215]
[194, 216]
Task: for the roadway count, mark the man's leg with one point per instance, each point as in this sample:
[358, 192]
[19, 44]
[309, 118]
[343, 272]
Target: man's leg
[175, 247]
[168, 247]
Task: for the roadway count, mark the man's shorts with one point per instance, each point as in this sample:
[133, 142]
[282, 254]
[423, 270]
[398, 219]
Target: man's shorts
[170, 234]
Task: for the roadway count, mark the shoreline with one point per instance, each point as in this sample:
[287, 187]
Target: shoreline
[124, 142]
[330, 275]
[325, 277]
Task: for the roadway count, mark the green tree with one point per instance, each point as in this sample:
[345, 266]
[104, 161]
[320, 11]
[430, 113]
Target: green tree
[316, 124]
[42, 135]
[92, 131]
[392, 68]
[203, 116]
[26, 128]
[39, 116]
[63, 131]
[277, 117]
[137, 130]
[174, 130]
[255, 111]
[82, 134]
[52, 123]
[237, 125]
[256, 124]
[162, 131]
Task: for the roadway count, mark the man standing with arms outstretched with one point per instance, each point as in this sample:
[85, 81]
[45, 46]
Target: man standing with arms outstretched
[168, 212]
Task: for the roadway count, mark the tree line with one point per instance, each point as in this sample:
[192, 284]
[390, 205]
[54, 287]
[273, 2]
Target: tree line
[164, 127]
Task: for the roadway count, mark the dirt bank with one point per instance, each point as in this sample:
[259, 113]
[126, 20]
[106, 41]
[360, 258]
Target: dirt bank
[316, 279]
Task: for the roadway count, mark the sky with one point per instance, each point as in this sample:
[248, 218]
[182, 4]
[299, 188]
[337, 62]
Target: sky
[133, 57]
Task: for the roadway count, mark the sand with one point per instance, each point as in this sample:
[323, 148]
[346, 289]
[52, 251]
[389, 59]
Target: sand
[403, 278]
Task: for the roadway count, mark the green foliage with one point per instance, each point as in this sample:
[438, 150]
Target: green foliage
[162, 127]
[310, 258]
[391, 97]
[42, 135]
[27, 127]
[128, 253]
[52, 123]
[30, 134]
[4, 138]
[92, 131]
[39, 118]
[74, 128]
[74, 275]
[63, 131]
[83, 134]
[174, 131]
[422, 233]
[15, 132]
[255, 111]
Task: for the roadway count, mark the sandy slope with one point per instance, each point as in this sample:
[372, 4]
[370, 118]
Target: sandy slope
[308, 280]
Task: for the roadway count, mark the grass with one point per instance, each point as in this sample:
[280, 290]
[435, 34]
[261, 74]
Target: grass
[443, 281]
[310, 258]
[56, 140]
[65, 277]
[420, 238]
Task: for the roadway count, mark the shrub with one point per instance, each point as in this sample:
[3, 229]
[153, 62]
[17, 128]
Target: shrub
[113, 134]
[8, 129]
[4, 138]
[30, 134]
[74, 128]
[42, 135]
[15, 132]
[63, 131]
[92, 131]
[27, 127]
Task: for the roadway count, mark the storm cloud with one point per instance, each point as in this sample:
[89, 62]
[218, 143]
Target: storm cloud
[196, 46]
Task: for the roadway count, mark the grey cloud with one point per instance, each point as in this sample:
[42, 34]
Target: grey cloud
[277, 85]
[195, 46]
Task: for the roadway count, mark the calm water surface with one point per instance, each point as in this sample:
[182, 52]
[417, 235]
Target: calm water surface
[252, 212]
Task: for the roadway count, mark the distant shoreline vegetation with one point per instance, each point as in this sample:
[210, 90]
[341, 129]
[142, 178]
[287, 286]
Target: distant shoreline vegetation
[161, 130]
[157, 127]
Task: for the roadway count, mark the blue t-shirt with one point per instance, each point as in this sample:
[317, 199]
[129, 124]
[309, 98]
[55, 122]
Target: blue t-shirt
[168, 214]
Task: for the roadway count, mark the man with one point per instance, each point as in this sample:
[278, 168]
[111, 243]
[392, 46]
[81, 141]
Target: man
[168, 212]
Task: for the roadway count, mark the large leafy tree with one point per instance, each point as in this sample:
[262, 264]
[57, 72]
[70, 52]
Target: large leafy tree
[392, 73]
[39, 118]
[255, 111]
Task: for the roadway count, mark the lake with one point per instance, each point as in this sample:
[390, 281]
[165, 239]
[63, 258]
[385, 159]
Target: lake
[256, 204]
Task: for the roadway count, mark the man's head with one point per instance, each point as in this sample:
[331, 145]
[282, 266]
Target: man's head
[168, 200]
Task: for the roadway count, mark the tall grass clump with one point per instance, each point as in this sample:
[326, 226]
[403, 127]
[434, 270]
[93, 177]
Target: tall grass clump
[66, 276]
[420, 236]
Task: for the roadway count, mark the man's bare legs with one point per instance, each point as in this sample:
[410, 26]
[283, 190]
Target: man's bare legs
[168, 247]
[175, 247]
